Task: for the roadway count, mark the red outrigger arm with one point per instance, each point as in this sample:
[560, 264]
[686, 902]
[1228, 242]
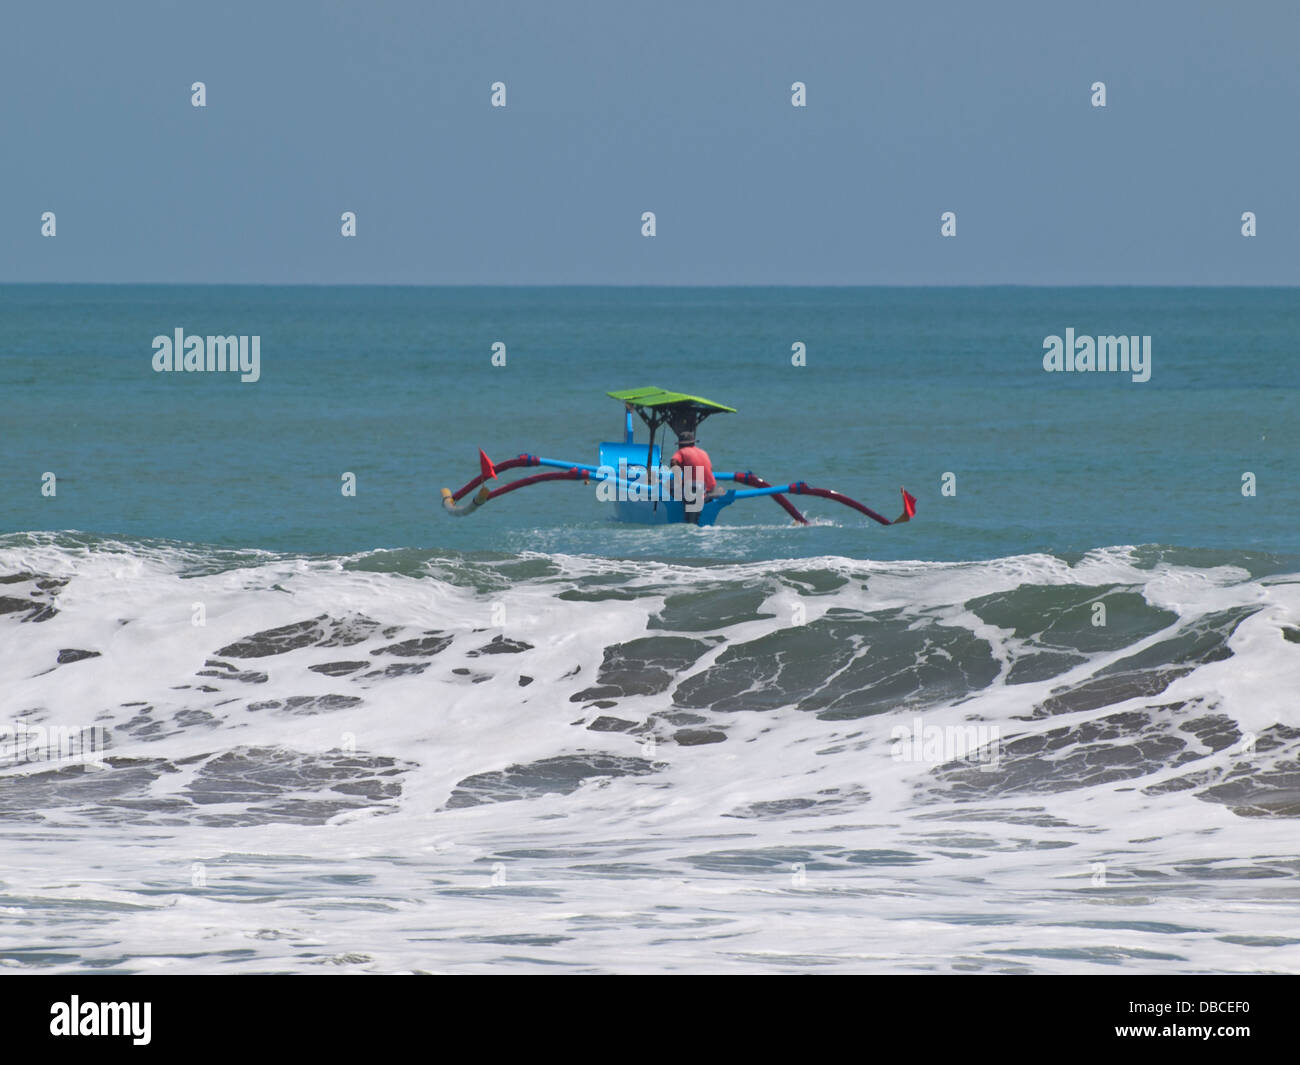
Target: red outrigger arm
[802, 488]
[574, 474]
[449, 499]
[758, 482]
[509, 464]
[799, 488]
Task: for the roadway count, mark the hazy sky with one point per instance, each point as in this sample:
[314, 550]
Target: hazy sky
[681, 108]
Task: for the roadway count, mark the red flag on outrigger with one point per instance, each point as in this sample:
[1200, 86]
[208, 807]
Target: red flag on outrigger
[909, 506]
[485, 466]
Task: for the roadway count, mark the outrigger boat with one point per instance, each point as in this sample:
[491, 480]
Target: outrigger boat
[630, 476]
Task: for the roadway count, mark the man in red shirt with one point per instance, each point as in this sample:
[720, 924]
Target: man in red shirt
[695, 459]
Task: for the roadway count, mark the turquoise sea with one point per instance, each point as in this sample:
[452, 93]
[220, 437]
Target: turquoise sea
[901, 386]
[251, 724]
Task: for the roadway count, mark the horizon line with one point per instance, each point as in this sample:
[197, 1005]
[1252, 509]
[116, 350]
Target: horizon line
[662, 285]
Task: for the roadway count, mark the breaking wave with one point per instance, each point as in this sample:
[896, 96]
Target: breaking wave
[417, 760]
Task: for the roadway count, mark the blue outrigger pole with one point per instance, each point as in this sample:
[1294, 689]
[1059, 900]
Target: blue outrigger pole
[634, 481]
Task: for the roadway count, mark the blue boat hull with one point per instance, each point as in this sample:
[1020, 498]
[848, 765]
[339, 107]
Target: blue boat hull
[630, 461]
[669, 512]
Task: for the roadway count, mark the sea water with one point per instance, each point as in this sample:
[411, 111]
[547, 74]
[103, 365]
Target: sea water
[252, 720]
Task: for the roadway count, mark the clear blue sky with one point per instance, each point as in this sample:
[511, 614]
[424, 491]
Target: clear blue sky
[681, 108]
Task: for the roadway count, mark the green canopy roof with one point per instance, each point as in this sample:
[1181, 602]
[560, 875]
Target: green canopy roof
[682, 413]
[657, 397]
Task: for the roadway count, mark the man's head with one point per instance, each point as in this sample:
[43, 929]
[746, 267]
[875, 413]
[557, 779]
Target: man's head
[686, 439]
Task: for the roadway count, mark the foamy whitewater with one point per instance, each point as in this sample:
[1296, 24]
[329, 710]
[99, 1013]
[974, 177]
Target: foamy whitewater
[414, 761]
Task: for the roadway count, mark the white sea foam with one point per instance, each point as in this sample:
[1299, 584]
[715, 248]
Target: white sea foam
[796, 843]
